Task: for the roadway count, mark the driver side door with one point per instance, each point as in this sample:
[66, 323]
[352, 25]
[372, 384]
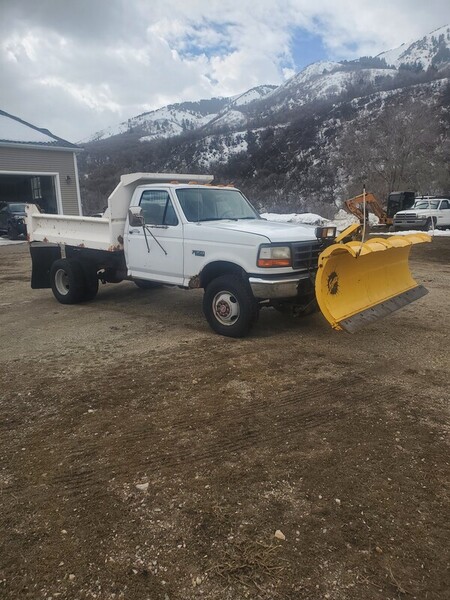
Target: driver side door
[155, 251]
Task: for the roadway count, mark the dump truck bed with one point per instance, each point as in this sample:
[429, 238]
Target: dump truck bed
[85, 232]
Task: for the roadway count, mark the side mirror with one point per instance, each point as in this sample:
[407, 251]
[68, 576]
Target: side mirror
[135, 217]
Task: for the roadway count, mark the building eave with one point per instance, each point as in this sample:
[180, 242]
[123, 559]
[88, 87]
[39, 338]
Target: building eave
[31, 146]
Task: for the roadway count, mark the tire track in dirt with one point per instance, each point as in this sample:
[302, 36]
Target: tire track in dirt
[228, 430]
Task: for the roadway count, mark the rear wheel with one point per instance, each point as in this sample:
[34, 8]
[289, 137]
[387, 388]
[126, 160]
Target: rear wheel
[68, 281]
[229, 306]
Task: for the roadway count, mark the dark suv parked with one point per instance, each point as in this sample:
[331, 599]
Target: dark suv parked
[12, 219]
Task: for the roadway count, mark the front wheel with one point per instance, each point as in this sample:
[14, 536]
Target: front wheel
[68, 282]
[430, 223]
[229, 306]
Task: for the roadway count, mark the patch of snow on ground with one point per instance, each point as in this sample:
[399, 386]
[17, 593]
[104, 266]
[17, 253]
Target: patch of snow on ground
[4, 241]
[343, 219]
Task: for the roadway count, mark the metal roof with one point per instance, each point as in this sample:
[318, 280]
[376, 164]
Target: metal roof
[17, 132]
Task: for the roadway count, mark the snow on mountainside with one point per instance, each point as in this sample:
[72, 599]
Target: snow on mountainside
[219, 149]
[310, 73]
[255, 93]
[161, 123]
[231, 116]
[176, 119]
[322, 84]
[432, 49]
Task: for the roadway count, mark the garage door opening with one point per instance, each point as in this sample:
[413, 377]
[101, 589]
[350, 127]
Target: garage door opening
[36, 189]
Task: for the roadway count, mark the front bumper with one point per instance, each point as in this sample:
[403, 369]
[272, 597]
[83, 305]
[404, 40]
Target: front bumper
[410, 224]
[268, 288]
[20, 226]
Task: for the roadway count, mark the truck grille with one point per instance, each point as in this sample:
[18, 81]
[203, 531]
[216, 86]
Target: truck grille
[405, 217]
[305, 255]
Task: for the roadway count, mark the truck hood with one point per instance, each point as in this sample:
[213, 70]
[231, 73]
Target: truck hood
[419, 211]
[274, 232]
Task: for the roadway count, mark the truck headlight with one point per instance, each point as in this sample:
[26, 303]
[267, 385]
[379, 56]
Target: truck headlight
[325, 232]
[274, 256]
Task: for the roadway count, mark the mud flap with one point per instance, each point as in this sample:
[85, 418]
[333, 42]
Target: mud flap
[42, 258]
[358, 283]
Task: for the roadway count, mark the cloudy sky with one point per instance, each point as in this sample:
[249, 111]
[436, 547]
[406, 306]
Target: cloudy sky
[76, 66]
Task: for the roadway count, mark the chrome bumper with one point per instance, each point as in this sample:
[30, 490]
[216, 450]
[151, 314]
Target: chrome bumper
[409, 224]
[276, 288]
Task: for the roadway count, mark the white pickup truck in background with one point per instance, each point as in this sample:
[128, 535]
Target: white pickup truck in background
[425, 214]
[181, 230]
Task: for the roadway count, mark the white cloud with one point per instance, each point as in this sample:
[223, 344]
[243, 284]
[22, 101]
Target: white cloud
[78, 67]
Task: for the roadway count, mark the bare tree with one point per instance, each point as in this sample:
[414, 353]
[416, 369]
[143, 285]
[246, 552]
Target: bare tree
[402, 148]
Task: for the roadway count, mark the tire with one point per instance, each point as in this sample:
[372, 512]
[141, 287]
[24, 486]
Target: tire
[229, 306]
[430, 223]
[143, 284]
[90, 282]
[68, 281]
[12, 233]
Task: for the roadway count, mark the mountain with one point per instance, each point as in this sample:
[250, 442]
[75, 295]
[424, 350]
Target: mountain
[303, 144]
[176, 119]
[431, 50]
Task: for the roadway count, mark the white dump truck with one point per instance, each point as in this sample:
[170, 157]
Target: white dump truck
[181, 230]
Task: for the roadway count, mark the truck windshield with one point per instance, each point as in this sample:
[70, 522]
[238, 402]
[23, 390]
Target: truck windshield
[427, 204]
[204, 204]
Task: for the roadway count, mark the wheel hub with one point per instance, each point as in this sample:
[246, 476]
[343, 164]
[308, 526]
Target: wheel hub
[226, 308]
[62, 282]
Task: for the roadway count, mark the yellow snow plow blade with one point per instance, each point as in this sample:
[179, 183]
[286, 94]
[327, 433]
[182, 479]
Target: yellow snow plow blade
[358, 283]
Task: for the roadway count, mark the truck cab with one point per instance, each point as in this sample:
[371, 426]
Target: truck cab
[174, 232]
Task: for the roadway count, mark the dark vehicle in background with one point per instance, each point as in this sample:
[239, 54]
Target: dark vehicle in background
[12, 219]
[399, 201]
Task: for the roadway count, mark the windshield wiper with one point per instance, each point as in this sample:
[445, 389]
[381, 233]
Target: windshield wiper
[218, 219]
[225, 219]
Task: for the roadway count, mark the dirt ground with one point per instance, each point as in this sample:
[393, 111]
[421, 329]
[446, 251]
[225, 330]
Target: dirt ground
[338, 441]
